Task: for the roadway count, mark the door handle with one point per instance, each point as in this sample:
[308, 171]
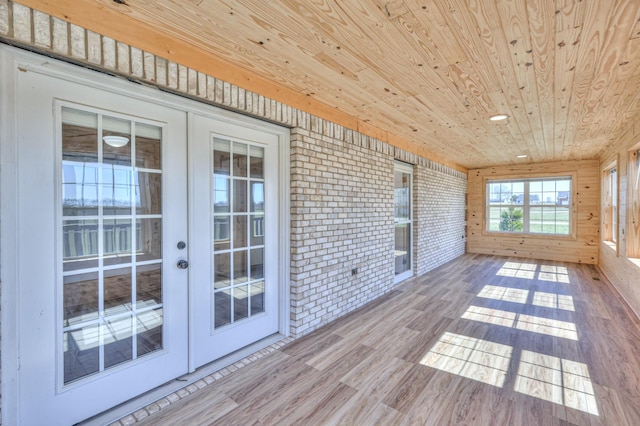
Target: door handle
[183, 264]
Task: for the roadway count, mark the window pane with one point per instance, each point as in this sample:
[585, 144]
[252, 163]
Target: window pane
[511, 219]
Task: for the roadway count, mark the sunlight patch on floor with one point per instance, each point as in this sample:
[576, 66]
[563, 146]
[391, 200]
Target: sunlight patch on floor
[553, 300]
[556, 274]
[469, 357]
[524, 322]
[518, 270]
[557, 380]
[506, 294]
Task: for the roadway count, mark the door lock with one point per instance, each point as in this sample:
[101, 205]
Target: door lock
[183, 264]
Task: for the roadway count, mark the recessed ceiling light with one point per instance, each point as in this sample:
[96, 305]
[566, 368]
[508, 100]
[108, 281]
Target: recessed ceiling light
[498, 117]
[521, 156]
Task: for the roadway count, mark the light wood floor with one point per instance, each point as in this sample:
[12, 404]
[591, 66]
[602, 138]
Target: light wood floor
[483, 340]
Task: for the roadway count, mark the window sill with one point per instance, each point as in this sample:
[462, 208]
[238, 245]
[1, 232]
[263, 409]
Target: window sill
[611, 244]
[528, 235]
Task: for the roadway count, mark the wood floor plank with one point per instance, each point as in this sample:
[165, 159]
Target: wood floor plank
[377, 374]
[203, 409]
[483, 340]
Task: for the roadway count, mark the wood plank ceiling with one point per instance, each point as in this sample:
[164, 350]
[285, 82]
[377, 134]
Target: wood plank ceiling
[567, 72]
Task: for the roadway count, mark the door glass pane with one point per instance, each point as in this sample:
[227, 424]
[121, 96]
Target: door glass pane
[114, 148]
[239, 160]
[238, 231]
[256, 163]
[79, 189]
[148, 239]
[221, 233]
[222, 270]
[257, 263]
[111, 241]
[257, 230]
[81, 348]
[240, 303]
[257, 196]
[148, 152]
[148, 285]
[222, 308]
[118, 341]
[240, 267]
[117, 239]
[79, 163]
[80, 298]
[117, 291]
[79, 244]
[149, 331]
[402, 196]
[117, 187]
[221, 195]
[402, 249]
[257, 298]
[148, 187]
[221, 157]
[239, 196]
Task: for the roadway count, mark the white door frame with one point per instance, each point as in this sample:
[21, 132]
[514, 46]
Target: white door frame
[13, 61]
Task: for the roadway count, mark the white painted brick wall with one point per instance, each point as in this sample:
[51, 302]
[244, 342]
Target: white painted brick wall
[439, 216]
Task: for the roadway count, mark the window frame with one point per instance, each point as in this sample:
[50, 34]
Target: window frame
[610, 202]
[408, 169]
[633, 203]
[526, 205]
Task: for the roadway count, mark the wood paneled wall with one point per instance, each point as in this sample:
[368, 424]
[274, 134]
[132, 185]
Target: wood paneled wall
[622, 266]
[581, 247]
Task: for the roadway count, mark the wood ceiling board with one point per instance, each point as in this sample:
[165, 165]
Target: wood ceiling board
[620, 90]
[514, 18]
[565, 65]
[610, 70]
[542, 30]
[453, 55]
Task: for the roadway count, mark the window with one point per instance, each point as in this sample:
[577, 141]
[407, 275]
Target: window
[633, 212]
[403, 218]
[533, 206]
[610, 204]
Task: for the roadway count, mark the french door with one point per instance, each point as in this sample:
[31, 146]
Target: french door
[102, 205]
